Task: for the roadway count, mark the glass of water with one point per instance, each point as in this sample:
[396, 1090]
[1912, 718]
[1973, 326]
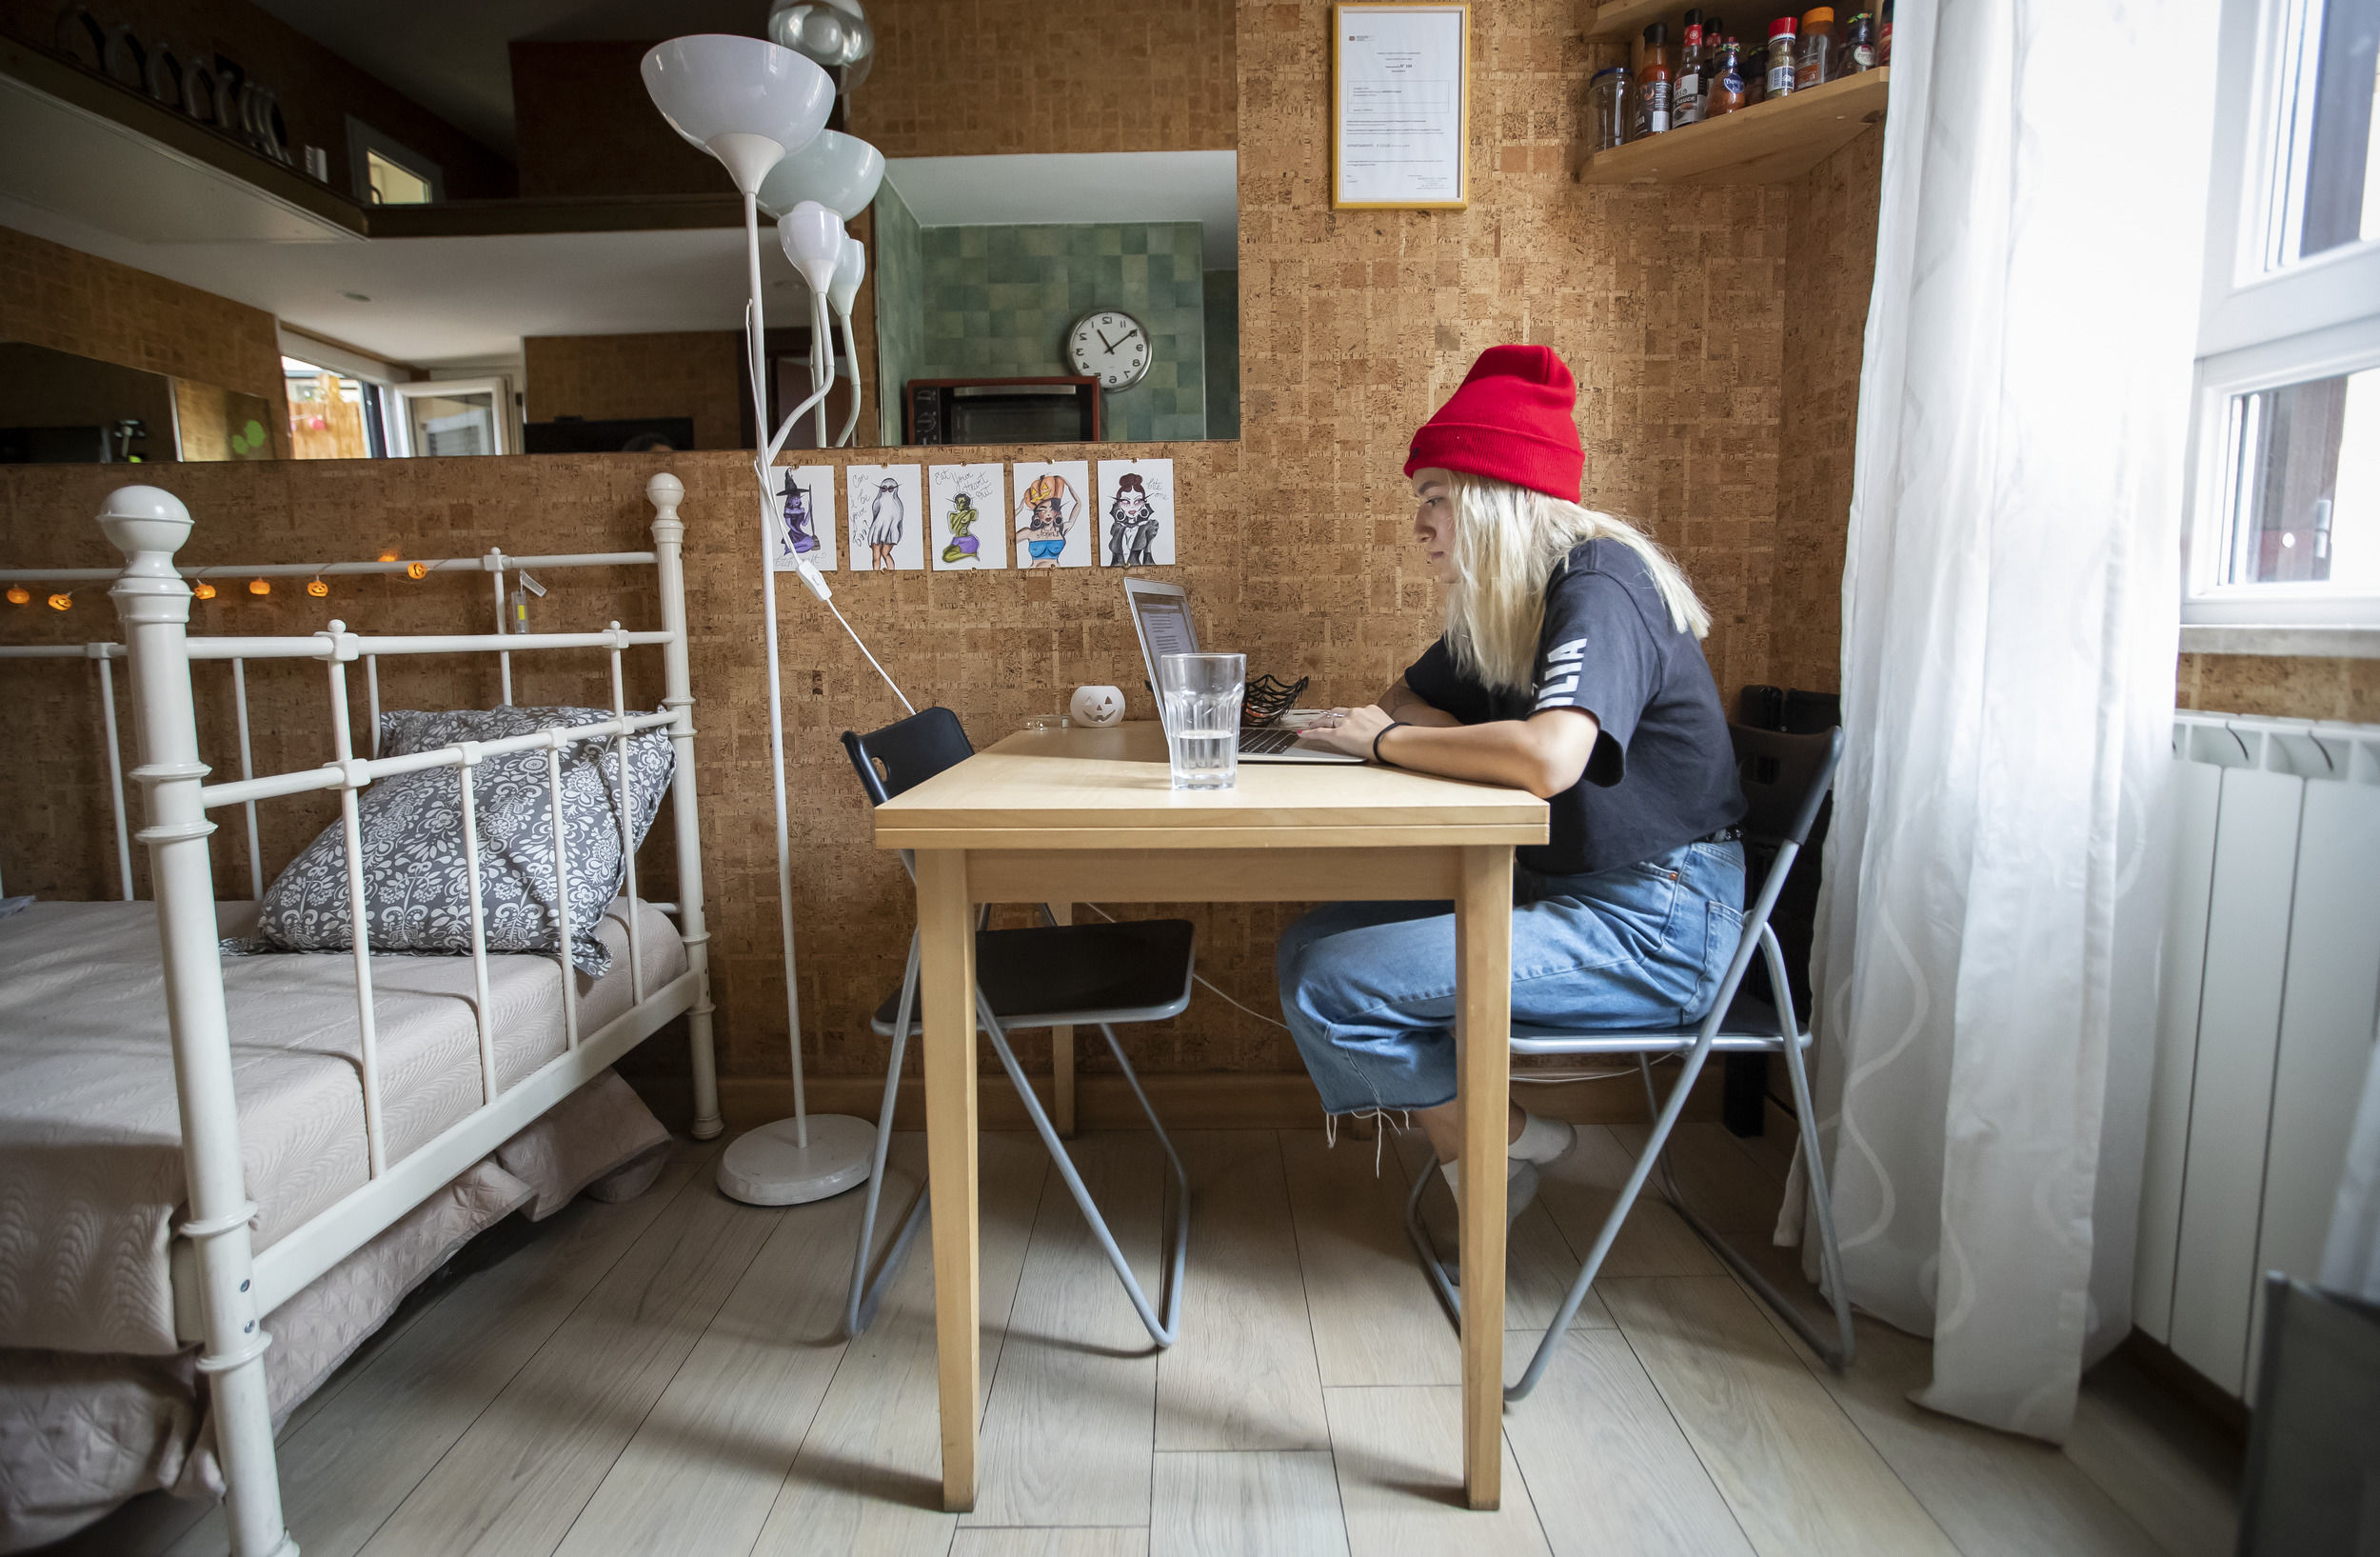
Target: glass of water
[1201, 694]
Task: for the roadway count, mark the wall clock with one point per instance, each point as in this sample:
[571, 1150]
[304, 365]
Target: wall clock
[1109, 345]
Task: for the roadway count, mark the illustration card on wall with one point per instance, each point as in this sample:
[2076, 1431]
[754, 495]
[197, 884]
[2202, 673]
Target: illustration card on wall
[804, 515]
[964, 501]
[1051, 516]
[1137, 512]
[887, 512]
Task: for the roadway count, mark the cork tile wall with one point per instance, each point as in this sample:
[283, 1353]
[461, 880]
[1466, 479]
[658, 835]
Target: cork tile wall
[956, 78]
[585, 125]
[2286, 687]
[1830, 270]
[54, 296]
[692, 373]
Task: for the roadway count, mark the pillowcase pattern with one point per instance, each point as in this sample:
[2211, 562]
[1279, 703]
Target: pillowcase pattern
[416, 880]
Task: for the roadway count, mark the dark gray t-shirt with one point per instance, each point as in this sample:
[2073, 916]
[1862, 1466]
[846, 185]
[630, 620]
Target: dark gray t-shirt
[1663, 771]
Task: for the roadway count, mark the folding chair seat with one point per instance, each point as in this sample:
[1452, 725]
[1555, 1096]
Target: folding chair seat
[1043, 976]
[1785, 780]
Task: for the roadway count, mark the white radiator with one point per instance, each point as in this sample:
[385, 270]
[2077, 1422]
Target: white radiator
[2266, 1021]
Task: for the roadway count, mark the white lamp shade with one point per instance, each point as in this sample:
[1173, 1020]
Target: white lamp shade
[737, 97]
[845, 289]
[834, 34]
[813, 238]
[841, 173]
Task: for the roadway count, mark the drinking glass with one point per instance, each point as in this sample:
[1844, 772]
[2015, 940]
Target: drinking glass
[1201, 695]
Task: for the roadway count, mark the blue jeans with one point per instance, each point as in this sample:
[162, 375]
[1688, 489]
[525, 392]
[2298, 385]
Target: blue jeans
[1368, 987]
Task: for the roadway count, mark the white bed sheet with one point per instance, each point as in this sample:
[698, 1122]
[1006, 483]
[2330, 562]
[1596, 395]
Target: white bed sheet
[90, 1165]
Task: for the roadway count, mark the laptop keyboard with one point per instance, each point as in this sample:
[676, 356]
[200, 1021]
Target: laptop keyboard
[1267, 742]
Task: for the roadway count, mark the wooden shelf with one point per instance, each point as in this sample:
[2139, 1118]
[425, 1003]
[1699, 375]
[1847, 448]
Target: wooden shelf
[1606, 21]
[1782, 138]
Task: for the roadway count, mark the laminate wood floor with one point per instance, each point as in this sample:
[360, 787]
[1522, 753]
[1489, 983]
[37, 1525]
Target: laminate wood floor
[668, 1376]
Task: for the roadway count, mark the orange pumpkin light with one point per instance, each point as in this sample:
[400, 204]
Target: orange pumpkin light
[317, 588]
[61, 602]
[202, 589]
[259, 585]
[390, 556]
[19, 596]
[416, 570]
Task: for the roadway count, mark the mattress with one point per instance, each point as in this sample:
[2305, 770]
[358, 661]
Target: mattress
[90, 1163]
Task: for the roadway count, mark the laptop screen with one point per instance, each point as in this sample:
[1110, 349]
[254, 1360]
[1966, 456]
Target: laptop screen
[1164, 627]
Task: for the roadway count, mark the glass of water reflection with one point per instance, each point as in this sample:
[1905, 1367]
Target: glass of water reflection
[1201, 694]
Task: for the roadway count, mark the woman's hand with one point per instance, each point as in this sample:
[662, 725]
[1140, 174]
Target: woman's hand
[1351, 730]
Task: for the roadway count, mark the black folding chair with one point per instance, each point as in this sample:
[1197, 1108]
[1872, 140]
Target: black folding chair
[1785, 779]
[1046, 976]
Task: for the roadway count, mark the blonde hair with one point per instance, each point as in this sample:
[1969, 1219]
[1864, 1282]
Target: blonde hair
[1508, 541]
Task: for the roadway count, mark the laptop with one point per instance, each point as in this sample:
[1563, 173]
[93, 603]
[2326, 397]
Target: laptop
[1161, 614]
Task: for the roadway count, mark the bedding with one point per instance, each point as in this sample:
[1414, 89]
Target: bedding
[417, 894]
[90, 1165]
[80, 1432]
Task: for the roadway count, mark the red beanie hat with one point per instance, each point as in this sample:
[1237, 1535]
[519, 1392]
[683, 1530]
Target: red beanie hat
[1511, 420]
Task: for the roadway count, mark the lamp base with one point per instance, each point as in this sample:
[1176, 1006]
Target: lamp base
[765, 1166]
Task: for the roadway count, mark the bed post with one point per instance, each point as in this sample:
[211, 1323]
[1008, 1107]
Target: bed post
[666, 491]
[148, 526]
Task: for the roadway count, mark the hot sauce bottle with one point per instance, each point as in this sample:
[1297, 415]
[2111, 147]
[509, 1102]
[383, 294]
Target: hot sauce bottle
[1725, 93]
[1692, 75]
[1655, 83]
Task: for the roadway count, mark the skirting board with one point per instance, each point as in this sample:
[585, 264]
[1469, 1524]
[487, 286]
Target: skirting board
[1193, 1100]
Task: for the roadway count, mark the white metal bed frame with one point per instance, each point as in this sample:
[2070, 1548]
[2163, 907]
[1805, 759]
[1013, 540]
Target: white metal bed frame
[232, 1284]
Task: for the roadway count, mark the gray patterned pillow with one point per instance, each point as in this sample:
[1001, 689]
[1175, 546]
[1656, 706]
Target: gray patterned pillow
[416, 883]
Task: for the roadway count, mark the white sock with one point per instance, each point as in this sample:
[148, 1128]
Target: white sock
[1542, 1139]
[1521, 1184]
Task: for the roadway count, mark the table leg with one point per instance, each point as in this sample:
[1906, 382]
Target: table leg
[1061, 1053]
[1483, 923]
[947, 982]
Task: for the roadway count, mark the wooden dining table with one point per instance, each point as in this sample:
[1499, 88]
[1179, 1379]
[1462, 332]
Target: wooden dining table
[1066, 816]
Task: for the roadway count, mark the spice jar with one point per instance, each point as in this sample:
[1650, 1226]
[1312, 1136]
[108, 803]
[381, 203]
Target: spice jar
[1782, 39]
[1723, 89]
[1611, 105]
[1859, 51]
[1814, 64]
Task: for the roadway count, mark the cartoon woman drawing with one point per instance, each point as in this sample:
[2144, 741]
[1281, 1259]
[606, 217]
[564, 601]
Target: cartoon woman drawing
[962, 546]
[884, 524]
[1132, 524]
[1046, 516]
[797, 536]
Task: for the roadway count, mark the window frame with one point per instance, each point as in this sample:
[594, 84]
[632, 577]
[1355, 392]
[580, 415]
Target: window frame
[2264, 325]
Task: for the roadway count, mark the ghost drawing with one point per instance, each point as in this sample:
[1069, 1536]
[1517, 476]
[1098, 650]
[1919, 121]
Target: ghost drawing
[884, 520]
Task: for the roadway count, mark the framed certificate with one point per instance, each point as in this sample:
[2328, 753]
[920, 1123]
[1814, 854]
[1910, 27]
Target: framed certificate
[1400, 105]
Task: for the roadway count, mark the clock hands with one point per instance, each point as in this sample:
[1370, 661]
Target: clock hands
[1104, 341]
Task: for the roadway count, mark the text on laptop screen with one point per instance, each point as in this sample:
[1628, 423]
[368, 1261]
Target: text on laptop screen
[1164, 626]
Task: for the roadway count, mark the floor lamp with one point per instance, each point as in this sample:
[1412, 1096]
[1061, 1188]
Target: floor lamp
[751, 103]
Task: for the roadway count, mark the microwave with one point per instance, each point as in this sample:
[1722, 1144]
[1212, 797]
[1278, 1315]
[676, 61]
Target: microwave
[1002, 410]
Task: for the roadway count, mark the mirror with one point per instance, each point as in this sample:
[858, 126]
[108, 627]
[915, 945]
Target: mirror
[60, 408]
[1051, 255]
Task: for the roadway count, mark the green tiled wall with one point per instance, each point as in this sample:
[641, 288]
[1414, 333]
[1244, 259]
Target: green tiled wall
[900, 319]
[1223, 353]
[999, 300]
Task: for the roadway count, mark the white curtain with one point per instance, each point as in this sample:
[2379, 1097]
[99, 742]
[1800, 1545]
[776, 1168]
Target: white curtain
[1985, 967]
[2350, 1258]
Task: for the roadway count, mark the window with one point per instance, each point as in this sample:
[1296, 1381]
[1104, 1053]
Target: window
[392, 185]
[2285, 488]
[451, 416]
[387, 172]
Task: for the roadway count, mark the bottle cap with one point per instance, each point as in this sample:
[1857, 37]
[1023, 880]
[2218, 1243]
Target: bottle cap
[1712, 28]
[1658, 33]
[1821, 13]
[1693, 17]
[1782, 27]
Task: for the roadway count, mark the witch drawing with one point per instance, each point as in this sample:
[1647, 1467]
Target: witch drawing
[798, 535]
[962, 518]
[884, 519]
[1044, 517]
[1132, 524]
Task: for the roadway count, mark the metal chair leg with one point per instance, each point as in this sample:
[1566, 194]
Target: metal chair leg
[1165, 1330]
[867, 1294]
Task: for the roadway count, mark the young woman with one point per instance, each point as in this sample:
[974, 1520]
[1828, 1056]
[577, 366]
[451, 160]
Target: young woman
[1570, 667]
